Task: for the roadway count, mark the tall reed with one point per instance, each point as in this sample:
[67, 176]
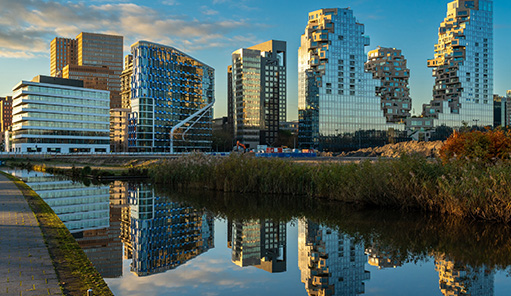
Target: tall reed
[467, 189]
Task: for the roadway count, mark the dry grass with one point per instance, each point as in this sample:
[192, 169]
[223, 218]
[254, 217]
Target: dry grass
[465, 189]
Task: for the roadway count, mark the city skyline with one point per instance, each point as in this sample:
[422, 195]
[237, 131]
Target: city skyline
[211, 34]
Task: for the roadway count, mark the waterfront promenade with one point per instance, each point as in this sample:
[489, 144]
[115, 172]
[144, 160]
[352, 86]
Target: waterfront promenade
[25, 264]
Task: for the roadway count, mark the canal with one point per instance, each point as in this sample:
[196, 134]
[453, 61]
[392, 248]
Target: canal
[152, 241]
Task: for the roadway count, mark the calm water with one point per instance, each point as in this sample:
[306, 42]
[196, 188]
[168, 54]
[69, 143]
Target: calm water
[147, 241]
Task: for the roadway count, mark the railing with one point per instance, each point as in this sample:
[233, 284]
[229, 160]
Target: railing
[100, 154]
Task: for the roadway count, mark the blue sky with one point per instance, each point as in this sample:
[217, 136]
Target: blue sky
[211, 30]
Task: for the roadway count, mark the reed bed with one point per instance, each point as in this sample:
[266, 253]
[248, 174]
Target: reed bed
[467, 189]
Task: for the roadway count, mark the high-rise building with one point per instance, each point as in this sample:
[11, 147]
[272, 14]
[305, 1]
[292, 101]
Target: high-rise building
[101, 50]
[463, 66]
[230, 103]
[58, 115]
[331, 263]
[389, 66]
[94, 58]
[119, 116]
[258, 92]
[171, 99]
[259, 243]
[337, 104]
[5, 119]
[5, 113]
[126, 82]
[63, 52]
[119, 129]
[507, 121]
[499, 111]
[92, 76]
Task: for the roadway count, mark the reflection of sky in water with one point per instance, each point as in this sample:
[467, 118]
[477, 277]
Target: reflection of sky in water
[214, 273]
[409, 279]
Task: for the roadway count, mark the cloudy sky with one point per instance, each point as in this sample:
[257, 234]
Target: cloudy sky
[210, 30]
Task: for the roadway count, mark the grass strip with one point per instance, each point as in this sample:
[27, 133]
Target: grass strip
[75, 272]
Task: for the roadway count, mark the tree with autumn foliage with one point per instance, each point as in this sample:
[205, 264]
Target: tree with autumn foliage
[488, 146]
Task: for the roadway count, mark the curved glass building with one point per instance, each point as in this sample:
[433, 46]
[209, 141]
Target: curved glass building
[167, 86]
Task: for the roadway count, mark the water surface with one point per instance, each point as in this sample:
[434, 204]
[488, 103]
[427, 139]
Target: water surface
[154, 241]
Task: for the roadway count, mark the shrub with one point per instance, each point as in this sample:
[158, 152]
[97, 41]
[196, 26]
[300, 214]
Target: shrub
[489, 146]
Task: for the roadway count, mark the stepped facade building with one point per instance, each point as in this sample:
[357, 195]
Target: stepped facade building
[337, 101]
[389, 66]
[463, 66]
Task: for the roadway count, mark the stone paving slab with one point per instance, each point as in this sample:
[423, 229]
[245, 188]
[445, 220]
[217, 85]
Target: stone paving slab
[25, 264]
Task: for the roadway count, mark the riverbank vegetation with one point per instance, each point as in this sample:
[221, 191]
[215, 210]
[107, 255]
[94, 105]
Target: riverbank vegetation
[80, 171]
[75, 272]
[475, 187]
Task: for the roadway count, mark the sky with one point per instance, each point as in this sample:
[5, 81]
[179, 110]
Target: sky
[210, 30]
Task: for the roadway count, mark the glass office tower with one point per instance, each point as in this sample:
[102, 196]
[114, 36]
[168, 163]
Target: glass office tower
[168, 86]
[463, 66]
[337, 102]
[257, 94]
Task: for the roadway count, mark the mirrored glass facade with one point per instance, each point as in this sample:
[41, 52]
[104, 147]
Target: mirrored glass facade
[51, 115]
[79, 207]
[258, 92]
[259, 243]
[456, 278]
[337, 102]
[463, 66]
[165, 234]
[331, 263]
[167, 86]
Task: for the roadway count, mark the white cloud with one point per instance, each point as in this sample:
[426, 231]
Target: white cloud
[28, 26]
[208, 11]
[170, 2]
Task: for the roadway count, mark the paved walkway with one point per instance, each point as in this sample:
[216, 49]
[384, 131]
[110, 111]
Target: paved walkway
[25, 265]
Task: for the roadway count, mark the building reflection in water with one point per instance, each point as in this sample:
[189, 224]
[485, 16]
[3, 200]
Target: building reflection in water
[459, 279]
[88, 214]
[162, 234]
[260, 243]
[331, 263]
[380, 257]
